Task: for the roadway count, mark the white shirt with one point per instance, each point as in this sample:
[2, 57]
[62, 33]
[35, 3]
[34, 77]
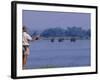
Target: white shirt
[26, 38]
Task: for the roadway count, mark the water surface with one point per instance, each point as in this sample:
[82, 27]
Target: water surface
[46, 54]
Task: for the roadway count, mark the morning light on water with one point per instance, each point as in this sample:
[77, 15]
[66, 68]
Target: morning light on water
[64, 39]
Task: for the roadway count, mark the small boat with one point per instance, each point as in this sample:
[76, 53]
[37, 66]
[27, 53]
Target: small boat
[52, 40]
[72, 39]
[60, 40]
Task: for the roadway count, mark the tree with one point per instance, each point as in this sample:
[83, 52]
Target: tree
[53, 32]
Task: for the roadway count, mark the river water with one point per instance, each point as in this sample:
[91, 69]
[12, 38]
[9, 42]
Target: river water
[47, 54]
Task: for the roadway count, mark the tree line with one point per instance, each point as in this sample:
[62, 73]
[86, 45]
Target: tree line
[69, 32]
[61, 32]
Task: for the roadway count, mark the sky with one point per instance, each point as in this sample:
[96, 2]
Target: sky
[40, 20]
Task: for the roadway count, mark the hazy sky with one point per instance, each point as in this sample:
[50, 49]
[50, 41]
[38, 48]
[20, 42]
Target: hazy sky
[40, 20]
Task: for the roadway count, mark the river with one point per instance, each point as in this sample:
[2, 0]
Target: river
[47, 54]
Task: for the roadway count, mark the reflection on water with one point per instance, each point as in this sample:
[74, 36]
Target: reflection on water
[45, 54]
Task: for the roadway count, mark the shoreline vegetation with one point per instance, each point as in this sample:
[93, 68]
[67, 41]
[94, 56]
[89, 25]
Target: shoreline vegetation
[70, 33]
